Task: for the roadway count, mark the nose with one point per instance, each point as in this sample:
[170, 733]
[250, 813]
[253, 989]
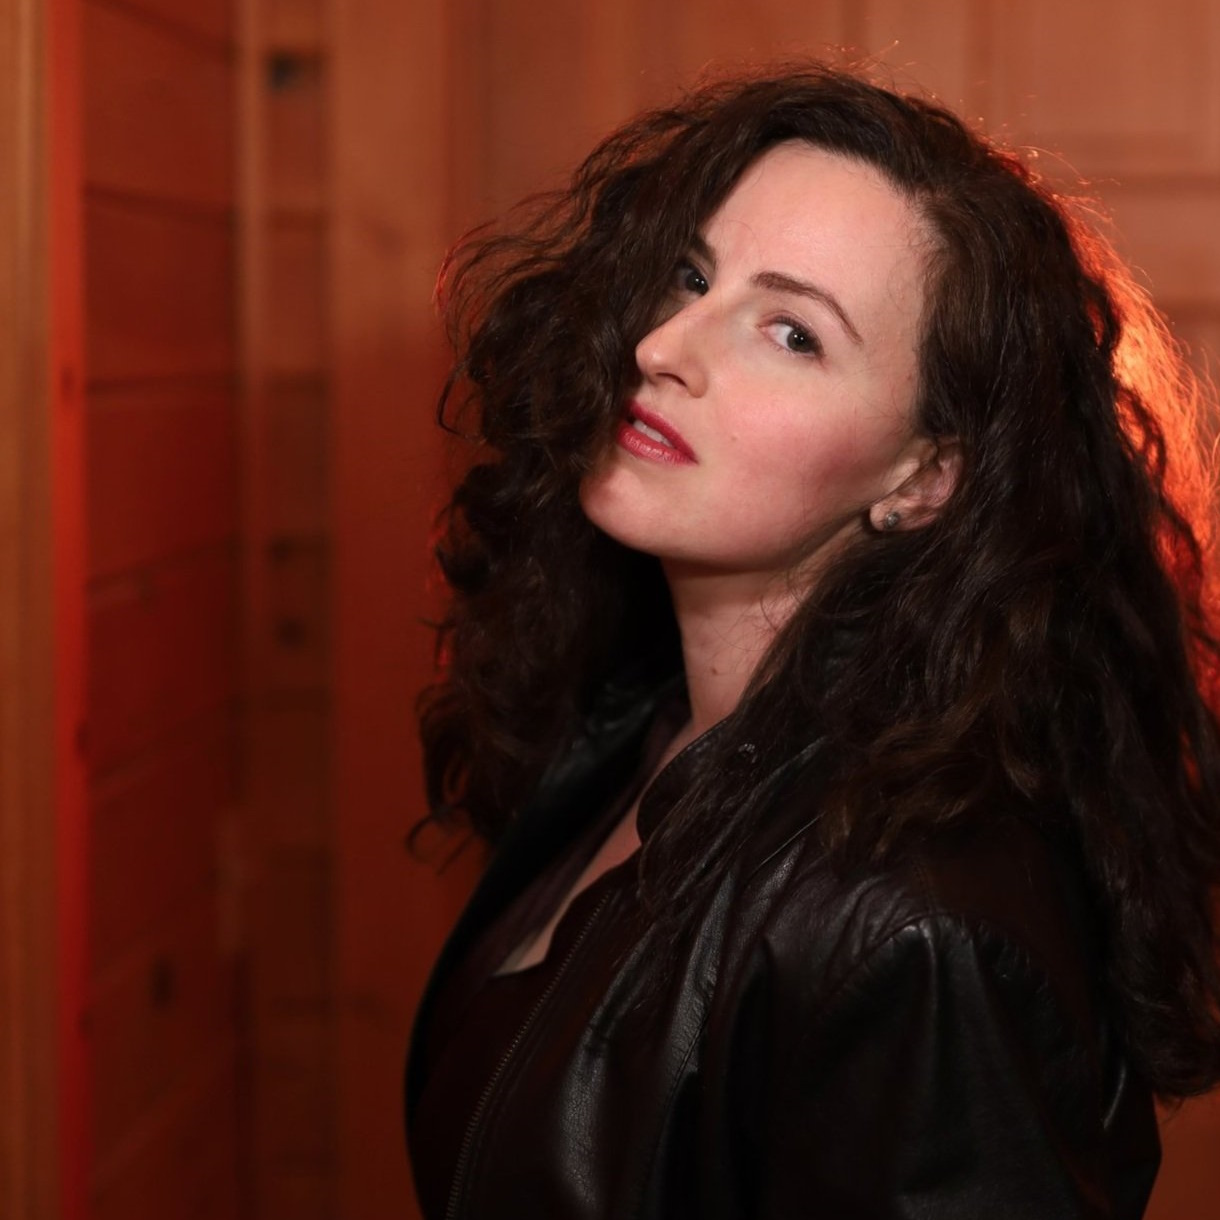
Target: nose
[676, 350]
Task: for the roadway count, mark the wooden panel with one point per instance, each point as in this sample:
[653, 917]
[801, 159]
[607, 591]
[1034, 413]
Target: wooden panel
[163, 652]
[298, 584]
[535, 58]
[162, 472]
[1173, 237]
[1189, 1171]
[299, 1194]
[290, 933]
[394, 72]
[43, 1132]
[158, 111]
[170, 1005]
[296, 444]
[212, 19]
[724, 34]
[1200, 332]
[293, 1119]
[296, 319]
[187, 1166]
[294, 23]
[925, 45]
[159, 293]
[288, 772]
[154, 839]
[1117, 86]
[295, 132]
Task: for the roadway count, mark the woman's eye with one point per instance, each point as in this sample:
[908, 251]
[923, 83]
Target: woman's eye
[796, 338]
[691, 279]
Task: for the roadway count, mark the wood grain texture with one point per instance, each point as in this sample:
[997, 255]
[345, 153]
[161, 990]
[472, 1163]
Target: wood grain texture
[295, 119]
[162, 472]
[33, 1159]
[291, 914]
[298, 628]
[1117, 87]
[191, 20]
[292, 1087]
[153, 1018]
[288, 771]
[1169, 232]
[158, 110]
[925, 46]
[184, 1160]
[162, 646]
[160, 293]
[297, 337]
[395, 71]
[295, 23]
[297, 437]
[155, 834]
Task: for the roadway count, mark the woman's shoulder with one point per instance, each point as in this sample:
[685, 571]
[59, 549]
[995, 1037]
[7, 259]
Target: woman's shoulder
[998, 897]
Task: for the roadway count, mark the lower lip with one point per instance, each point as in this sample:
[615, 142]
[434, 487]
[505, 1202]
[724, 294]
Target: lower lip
[641, 446]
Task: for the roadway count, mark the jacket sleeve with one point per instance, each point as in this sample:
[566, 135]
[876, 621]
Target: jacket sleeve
[937, 1078]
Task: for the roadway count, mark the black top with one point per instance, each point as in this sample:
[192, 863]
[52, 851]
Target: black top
[479, 1012]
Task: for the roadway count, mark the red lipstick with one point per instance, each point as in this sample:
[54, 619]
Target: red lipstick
[661, 442]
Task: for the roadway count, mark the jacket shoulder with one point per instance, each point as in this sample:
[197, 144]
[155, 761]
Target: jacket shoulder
[999, 888]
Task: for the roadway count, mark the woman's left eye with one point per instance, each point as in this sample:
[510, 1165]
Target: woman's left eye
[791, 335]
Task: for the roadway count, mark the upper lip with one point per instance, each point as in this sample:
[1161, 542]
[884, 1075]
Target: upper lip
[636, 410]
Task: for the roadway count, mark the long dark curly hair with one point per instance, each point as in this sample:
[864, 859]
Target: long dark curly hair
[1043, 644]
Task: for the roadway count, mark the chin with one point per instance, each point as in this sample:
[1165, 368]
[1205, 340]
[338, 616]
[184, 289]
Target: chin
[617, 513]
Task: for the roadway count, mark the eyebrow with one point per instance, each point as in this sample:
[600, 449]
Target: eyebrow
[777, 281]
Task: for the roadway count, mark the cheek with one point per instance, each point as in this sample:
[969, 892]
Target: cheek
[836, 460]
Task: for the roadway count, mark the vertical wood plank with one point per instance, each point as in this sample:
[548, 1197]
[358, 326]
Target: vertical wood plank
[208, 19]
[162, 647]
[167, 1007]
[160, 293]
[160, 115]
[288, 771]
[391, 81]
[162, 473]
[186, 1164]
[295, 126]
[66, 558]
[297, 433]
[925, 45]
[155, 829]
[296, 269]
[43, 1127]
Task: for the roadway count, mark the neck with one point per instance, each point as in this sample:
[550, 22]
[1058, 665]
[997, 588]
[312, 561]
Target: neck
[727, 623]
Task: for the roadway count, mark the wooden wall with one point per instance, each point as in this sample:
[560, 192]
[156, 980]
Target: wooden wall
[162, 594]
[260, 196]
[287, 534]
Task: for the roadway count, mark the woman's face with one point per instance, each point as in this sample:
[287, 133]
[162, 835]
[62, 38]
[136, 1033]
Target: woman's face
[775, 399]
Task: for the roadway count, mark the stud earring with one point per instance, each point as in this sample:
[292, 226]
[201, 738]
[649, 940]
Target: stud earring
[891, 519]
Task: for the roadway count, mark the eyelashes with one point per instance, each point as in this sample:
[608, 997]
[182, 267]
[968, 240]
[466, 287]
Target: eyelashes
[689, 279]
[799, 340]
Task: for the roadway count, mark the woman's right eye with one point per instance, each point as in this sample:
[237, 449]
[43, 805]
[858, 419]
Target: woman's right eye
[690, 279]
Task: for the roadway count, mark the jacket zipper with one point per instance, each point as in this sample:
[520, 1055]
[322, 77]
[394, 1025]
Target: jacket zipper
[466, 1152]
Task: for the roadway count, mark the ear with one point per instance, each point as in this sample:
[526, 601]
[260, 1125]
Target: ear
[926, 477]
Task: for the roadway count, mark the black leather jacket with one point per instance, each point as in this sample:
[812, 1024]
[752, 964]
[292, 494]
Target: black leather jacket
[929, 1040]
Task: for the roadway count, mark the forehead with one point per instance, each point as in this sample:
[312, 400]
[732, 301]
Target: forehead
[817, 214]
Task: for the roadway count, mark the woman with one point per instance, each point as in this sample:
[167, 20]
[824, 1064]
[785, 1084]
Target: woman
[828, 661]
